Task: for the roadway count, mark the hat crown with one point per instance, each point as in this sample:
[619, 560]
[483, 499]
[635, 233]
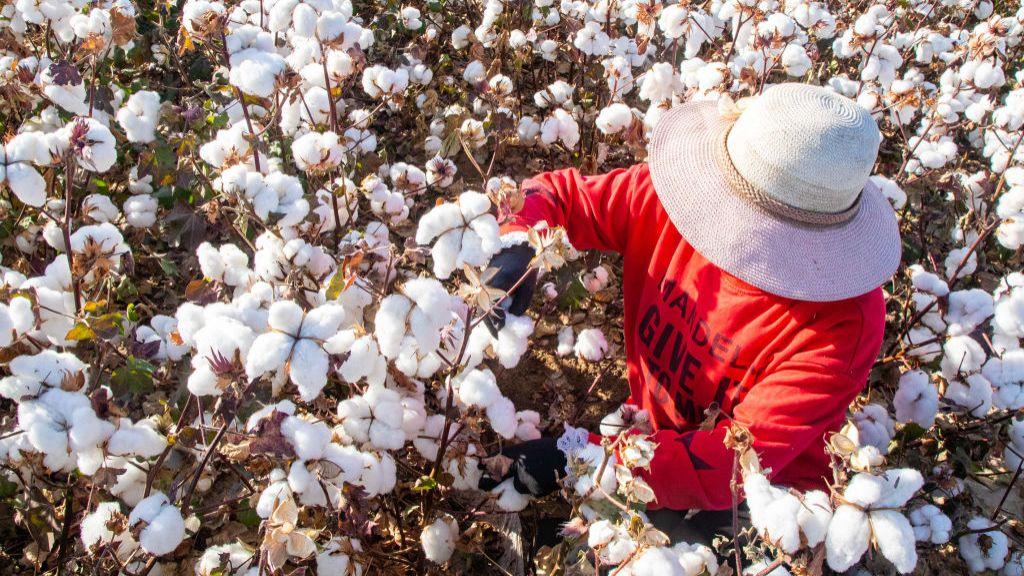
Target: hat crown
[806, 146]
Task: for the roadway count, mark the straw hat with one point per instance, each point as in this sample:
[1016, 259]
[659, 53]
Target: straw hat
[778, 194]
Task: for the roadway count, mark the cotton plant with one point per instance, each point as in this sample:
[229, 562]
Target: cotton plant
[246, 192]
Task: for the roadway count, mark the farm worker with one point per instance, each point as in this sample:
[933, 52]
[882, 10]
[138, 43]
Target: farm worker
[754, 248]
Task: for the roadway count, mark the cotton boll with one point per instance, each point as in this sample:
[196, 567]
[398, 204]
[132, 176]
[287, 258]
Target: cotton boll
[959, 259]
[560, 126]
[814, 517]
[237, 556]
[930, 524]
[479, 388]
[92, 142]
[139, 116]
[917, 399]
[465, 232]
[502, 416]
[513, 339]
[63, 426]
[337, 558]
[895, 539]
[140, 210]
[30, 375]
[967, 310]
[1006, 374]
[438, 539]
[95, 530]
[586, 485]
[972, 395]
[528, 425]
[591, 345]
[961, 355]
[987, 555]
[136, 439]
[566, 341]
[848, 537]
[873, 427]
[163, 527]
[614, 118]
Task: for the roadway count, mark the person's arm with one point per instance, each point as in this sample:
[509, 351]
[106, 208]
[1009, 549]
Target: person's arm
[595, 211]
[793, 407]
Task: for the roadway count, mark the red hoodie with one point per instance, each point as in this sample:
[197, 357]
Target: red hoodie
[695, 335]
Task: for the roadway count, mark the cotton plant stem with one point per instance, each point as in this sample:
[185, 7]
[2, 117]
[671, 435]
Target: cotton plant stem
[68, 196]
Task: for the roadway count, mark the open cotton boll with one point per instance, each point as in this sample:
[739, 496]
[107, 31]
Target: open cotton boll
[64, 428]
[586, 484]
[873, 427]
[382, 82]
[337, 558]
[163, 527]
[513, 339]
[895, 539]
[510, 499]
[961, 355]
[99, 208]
[612, 542]
[773, 512]
[237, 557]
[614, 118]
[438, 539]
[972, 394]
[528, 427]
[295, 343]
[140, 210]
[989, 554]
[92, 143]
[30, 374]
[967, 310]
[502, 416]
[478, 388]
[560, 126]
[566, 341]
[930, 524]
[926, 281]
[466, 233]
[317, 152]
[848, 538]
[1006, 374]
[136, 439]
[140, 115]
[95, 527]
[591, 345]
[917, 399]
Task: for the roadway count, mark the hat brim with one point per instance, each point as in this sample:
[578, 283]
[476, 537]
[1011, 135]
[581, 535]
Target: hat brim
[779, 256]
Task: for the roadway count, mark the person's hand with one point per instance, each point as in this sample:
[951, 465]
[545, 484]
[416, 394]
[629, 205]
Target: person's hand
[508, 266]
[534, 466]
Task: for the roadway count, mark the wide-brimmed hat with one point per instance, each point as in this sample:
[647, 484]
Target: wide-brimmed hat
[778, 194]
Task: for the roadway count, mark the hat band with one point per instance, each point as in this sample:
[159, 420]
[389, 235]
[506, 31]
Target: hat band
[754, 195]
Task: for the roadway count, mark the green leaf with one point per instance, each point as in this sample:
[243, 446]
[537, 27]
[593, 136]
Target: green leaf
[424, 484]
[337, 284]
[248, 516]
[107, 326]
[80, 333]
[7, 489]
[131, 313]
[135, 377]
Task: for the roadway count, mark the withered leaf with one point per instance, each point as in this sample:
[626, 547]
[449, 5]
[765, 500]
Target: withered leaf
[64, 73]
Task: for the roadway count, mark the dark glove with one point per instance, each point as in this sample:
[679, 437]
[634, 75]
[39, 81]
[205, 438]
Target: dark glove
[535, 469]
[509, 265]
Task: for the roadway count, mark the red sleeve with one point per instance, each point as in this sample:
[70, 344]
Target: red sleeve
[785, 413]
[797, 401]
[594, 210]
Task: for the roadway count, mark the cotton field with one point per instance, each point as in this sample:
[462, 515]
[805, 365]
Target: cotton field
[245, 298]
